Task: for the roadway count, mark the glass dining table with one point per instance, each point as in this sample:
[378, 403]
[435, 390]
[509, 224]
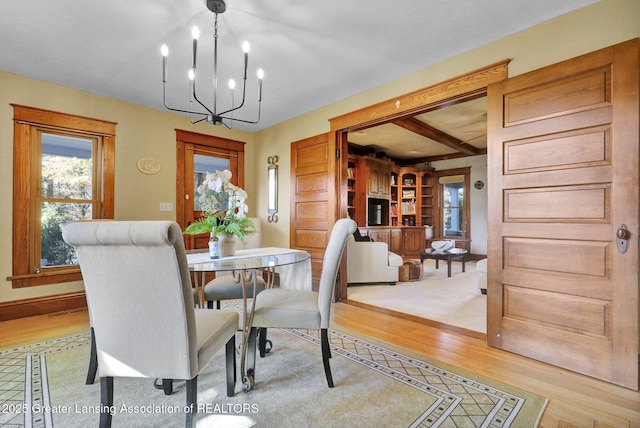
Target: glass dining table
[246, 265]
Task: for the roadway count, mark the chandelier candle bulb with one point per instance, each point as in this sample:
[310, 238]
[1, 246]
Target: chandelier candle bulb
[245, 49]
[260, 76]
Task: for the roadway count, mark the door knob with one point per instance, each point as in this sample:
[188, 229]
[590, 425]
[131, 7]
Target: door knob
[622, 238]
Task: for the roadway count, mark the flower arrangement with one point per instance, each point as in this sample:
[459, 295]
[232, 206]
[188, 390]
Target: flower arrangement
[224, 208]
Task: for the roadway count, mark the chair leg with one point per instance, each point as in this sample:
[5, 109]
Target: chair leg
[167, 386]
[262, 342]
[209, 304]
[217, 304]
[106, 401]
[326, 354]
[230, 353]
[192, 403]
[93, 361]
[251, 353]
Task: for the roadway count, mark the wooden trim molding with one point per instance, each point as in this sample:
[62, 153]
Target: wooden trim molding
[42, 305]
[54, 119]
[27, 121]
[459, 87]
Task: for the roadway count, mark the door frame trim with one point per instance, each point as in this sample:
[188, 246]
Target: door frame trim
[184, 138]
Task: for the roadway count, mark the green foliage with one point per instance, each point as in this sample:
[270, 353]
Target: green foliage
[239, 227]
[66, 181]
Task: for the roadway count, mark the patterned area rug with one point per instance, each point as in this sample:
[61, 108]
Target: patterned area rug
[376, 385]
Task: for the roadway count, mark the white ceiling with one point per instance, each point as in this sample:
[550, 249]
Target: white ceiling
[313, 52]
[465, 121]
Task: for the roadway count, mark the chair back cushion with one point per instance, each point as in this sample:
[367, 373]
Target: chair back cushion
[139, 294]
[332, 256]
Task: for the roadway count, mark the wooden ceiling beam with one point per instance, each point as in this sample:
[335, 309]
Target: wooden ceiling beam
[414, 125]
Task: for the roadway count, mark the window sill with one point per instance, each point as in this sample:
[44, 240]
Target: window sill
[45, 278]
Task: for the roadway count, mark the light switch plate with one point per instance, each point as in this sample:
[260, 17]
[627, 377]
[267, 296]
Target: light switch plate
[166, 206]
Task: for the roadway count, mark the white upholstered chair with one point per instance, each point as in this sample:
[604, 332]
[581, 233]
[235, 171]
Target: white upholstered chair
[223, 287]
[371, 262]
[141, 304]
[293, 308]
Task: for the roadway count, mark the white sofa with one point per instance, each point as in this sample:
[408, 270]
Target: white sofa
[371, 262]
[481, 269]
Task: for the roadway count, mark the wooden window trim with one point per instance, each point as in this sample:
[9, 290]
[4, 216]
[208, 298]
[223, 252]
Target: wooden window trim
[26, 121]
[466, 171]
[187, 139]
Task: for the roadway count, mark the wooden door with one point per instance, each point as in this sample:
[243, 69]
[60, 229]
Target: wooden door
[563, 176]
[195, 155]
[313, 197]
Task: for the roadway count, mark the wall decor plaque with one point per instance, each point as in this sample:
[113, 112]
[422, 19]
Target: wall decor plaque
[148, 166]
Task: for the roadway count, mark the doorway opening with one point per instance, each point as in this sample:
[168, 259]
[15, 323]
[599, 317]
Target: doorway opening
[365, 126]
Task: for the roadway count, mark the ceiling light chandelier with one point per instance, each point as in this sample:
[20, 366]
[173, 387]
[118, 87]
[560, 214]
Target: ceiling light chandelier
[211, 115]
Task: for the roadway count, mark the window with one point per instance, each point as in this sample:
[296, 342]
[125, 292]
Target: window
[63, 171]
[454, 204]
[203, 163]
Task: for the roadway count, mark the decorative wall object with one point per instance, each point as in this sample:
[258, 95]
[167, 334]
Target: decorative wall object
[148, 166]
[272, 184]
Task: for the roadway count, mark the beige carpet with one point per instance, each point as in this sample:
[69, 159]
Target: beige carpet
[455, 301]
[376, 385]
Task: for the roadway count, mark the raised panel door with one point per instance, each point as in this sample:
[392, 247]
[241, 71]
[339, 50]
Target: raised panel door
[563, 172]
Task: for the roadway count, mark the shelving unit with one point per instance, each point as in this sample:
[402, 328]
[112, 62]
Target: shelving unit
[408, 195]
[352, 171]
[393, 207]
[415, 197]
[426, 198]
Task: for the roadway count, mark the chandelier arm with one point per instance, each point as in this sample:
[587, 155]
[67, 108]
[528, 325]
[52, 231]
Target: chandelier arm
[243, 120]
[195, 97]
[244, 92]
[164, 101]
[193, 122]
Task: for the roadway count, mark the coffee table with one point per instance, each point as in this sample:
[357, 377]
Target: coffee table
[447, 255]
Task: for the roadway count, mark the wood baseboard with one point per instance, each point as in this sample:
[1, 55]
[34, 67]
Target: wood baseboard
[42, 305]
[444, 327]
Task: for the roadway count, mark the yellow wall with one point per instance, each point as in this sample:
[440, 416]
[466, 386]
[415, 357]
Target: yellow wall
[145, 132]
[140, 132]
[603, 24]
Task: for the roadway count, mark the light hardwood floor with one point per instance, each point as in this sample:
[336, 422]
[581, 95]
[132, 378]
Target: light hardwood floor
[574, 400]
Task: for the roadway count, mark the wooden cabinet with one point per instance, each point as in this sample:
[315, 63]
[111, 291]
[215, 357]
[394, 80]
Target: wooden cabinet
[396, 241]
[414, 240]
[377, 176]
[404, 241]
[379, 234]
[409, 191]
